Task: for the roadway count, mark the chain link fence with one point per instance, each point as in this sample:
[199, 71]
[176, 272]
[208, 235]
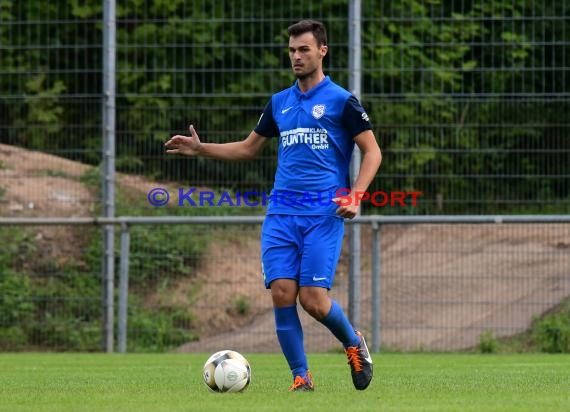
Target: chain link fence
[469, 103]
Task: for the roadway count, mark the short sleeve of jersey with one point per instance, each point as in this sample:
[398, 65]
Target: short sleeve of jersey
[354, 118]
[266, 125]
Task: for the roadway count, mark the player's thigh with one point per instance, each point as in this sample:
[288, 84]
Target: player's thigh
[280, 249]
[322, 243]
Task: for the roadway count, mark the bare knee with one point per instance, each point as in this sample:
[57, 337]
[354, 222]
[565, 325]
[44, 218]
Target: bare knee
[284, 292]
[315, 301]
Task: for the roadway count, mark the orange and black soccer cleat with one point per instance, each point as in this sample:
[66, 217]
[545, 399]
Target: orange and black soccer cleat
[360, 364]
[302, 383]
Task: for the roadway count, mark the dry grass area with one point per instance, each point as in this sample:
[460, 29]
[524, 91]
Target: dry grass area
[39, 184]
[442, 285]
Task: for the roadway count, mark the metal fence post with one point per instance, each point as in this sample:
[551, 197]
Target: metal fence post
[124, 287]
[108, 170]
[376, 290]
[354, 79]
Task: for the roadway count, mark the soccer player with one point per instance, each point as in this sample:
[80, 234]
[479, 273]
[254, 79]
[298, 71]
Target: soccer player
[318, 123]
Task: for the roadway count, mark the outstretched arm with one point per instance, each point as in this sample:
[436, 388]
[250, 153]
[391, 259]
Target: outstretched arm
[192, 146]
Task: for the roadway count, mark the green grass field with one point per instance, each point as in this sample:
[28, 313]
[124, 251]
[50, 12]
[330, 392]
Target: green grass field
[173, 382]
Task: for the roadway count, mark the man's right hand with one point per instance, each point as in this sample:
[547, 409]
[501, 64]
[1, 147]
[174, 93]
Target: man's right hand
[184, 145]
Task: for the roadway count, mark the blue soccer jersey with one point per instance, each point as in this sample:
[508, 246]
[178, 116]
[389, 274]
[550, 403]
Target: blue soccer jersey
[316, 131]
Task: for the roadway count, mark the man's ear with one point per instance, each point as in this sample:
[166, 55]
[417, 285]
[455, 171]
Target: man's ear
[324, 50]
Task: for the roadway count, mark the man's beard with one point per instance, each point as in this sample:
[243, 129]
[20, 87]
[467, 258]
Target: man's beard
[303, 76]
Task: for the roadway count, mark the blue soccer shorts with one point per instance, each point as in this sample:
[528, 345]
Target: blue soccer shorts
[303, 248]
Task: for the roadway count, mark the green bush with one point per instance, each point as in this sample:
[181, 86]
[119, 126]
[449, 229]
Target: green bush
[63, 332]
[241, 305]
[11, 337]
[158, 330]
[15, 306]
[488, 343]
[552, 333]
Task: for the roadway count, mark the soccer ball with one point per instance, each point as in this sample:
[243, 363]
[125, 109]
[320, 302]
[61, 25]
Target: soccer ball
[227, 371]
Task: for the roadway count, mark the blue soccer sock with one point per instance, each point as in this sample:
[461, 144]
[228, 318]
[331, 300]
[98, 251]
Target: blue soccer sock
[339, 325]
[290, 336]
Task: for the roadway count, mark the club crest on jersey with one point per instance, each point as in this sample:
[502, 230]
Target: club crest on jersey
[318, 111]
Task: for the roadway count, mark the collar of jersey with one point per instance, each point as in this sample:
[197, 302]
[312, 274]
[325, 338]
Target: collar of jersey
[309, 93]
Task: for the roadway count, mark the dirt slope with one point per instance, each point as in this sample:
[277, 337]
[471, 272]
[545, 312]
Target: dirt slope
[442, 286]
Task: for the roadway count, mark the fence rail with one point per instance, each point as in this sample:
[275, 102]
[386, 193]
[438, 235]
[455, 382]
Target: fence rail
[369, 219]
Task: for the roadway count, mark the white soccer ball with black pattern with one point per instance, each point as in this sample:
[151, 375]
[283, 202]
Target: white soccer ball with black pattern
[227, 371]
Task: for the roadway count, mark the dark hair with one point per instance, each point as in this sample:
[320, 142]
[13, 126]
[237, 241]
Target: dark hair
[304, 26]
